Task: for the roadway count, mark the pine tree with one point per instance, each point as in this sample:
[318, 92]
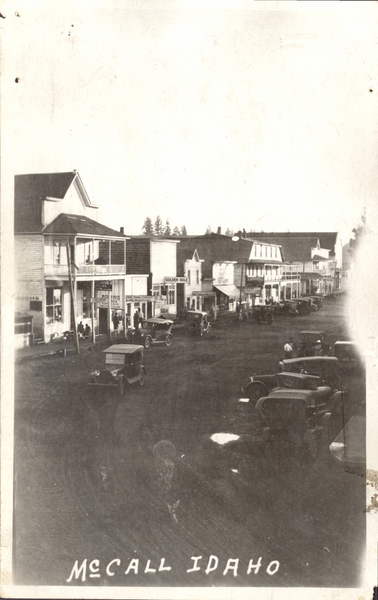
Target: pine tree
[176, 230]
[208, 230]
[148, 228]
[229, 231]
[158, 226]
[183, 230]
[167, 230]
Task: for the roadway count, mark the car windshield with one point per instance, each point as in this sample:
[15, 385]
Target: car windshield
[114, 359]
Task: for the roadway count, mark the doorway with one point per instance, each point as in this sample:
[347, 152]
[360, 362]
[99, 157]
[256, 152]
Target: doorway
[103, 320]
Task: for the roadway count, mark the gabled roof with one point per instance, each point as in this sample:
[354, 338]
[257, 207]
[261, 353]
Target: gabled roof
[327, 239]
[31, 190]
[184, 254]
[215, 247]
[80, 225]
[295, 248]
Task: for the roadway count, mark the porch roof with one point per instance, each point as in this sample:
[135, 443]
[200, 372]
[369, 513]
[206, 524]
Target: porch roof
[66, 224]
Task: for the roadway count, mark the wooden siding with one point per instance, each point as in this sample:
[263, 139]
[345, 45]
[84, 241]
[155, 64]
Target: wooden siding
[29, 259]
[138, 256]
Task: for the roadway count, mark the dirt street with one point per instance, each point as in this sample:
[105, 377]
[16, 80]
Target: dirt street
[132, 487]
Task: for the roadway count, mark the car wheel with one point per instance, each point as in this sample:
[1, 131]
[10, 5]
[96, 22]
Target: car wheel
[256, 390]
[168, 340]
[142, 377]
[269, 318]
[121, 386]
[147, 341]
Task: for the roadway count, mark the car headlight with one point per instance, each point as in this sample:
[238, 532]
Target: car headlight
[114, 373]
[94, 374]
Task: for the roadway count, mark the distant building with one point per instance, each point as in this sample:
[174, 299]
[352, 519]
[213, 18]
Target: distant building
[317, 257]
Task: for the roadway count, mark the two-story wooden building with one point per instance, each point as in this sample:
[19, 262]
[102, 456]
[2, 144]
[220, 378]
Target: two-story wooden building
[316, 256]
[151, 282]
[64, 257]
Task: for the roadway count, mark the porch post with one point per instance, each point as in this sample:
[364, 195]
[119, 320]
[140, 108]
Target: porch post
[73, 303]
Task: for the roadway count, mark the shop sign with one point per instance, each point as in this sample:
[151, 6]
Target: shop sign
[140, 298]
[104, 285]
[160, 303]
[203, 294]
[103, 301]
[29, 298]
[175, 280]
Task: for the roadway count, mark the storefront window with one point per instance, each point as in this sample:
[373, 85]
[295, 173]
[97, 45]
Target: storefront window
[171, 295]
[53, 305]
[87, 313]
[197, 275]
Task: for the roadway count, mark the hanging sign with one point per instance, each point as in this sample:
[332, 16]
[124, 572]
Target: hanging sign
[175, 280]
[104, 285]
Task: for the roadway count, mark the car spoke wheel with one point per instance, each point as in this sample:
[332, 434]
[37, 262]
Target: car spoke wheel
[142, 377]
[269, 318]
[256, 390]
[147, 342]
[168, 340]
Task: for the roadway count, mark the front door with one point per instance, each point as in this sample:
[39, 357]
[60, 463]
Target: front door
[103, 320]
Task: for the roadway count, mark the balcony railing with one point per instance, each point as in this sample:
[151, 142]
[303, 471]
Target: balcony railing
[62, 270]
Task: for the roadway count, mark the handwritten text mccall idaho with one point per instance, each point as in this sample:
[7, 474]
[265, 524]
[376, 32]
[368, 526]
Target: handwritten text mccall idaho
[95, 569]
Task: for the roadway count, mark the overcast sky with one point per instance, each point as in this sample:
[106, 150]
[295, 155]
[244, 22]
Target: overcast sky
[259, 117]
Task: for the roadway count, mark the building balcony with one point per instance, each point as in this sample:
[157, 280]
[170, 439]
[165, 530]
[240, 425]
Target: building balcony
[91, 269]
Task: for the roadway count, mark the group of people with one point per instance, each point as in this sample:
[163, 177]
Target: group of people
[83, 331]
[138, 319]
[289, 349]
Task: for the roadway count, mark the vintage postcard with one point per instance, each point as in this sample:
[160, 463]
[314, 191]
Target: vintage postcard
[188, 299]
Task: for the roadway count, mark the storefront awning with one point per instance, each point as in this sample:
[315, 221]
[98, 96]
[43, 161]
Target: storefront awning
[228, 290]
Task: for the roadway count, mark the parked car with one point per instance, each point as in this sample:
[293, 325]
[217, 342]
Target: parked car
[197, 322]
[308, 340]
[123, 364]
[153, 331]
[287, 308]
[300, 418]
[304, 305]
[262, 313]
[324, 369]
[317, 301]
[346, 351]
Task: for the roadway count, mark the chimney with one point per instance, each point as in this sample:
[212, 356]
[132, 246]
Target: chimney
[219, 230]
[244, 233]
[122, 230]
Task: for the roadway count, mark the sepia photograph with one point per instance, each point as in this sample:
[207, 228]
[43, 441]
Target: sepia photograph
[188, 299]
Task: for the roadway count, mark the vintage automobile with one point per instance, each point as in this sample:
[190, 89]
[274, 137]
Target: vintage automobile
[123, 365]
[317, 301]
[301, 419]
[304, 305]
[308, 340]
[197, 322]
[153, 331]
[325, 369]
[346, 351]
[287, 308]
[262, 313]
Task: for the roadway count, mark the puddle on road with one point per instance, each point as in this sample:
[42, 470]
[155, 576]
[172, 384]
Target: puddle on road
[224, 438]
